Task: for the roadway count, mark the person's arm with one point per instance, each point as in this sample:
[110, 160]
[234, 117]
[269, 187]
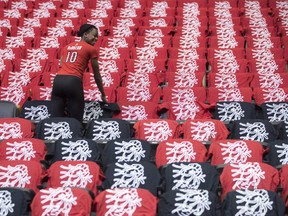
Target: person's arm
[98, 78]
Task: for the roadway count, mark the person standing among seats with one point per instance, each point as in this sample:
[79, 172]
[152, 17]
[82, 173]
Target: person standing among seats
[68, 83]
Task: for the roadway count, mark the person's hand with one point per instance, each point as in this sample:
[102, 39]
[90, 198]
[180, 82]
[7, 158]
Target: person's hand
[103, 97]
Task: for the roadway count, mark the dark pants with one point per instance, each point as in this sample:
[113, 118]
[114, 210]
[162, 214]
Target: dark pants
[68, 91]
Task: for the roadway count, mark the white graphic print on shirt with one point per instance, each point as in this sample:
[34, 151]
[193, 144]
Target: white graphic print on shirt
[187, 176]
[122, 202]
[128, 176]
[193, 201]
[129, 151]
[253, 202]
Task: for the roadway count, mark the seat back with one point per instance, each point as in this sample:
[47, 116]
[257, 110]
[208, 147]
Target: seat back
[8, 109]
[61, 201]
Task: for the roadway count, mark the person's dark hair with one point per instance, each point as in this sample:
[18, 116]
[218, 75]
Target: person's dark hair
[85, 28]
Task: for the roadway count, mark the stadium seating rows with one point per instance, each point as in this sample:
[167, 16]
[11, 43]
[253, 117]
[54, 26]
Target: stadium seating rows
[197, 119]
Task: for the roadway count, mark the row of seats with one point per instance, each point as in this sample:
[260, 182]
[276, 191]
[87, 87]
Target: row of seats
[175, 164]
[127, 165]
[105, 52]
[212, 95]
[171, 150]
[130, 4]
[37, 110]
[153, 130]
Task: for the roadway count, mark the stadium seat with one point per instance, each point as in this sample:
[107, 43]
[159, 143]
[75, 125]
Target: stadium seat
[96, 110]
[26, 149]
[138, 94]
[16, 128]
[37, 110]
[145, 175]
[253, 129]
[254, 201]
[55, 128]
[231, 151]
[137, 110]
[157, 130]
[125, 150]
[197, 202]
[179, 150]
[21, 174]
[204, 130]
[105, 129]
[127, 201]
[57, 201]
[231, 111]
[187, 175]
[16, 200]
[283, 172]
[80, 174]
[250, 175]
[274, 111]
[74, 149]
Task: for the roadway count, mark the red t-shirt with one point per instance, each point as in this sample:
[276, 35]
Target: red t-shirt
[75, 58]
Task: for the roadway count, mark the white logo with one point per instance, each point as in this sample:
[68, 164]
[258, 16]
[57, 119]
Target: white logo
[128, 176]
[37, 113]
[185, 79]
[188, 176]
[57, 201]
[226, 81]
[230, 111]
[45, 93]
[146, 53]
[117, 42]
[253, 131]
[122, 31]
[128, 12]
[230, 95]
[37, 54]
[157, 131]
[138, 81]
[203, 131]
[92, 110]
[253, 202]
[106, 130]
[109, 53]
[235, 152]
[144, 65]
[277, 112]
[247, 175]
[138, 94]
[191, 202]
[14, 176]
[10, 130]
[180, 151]
[160, 22]
[32, 22]
[20, 151]
[282, 153]
[6, 204]
[76, 151]
[75, 176]
[129, 151]
[55, 131]
[122, 202]
[13, 93]
[108, 66]
[18, 79]
[136, 112]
